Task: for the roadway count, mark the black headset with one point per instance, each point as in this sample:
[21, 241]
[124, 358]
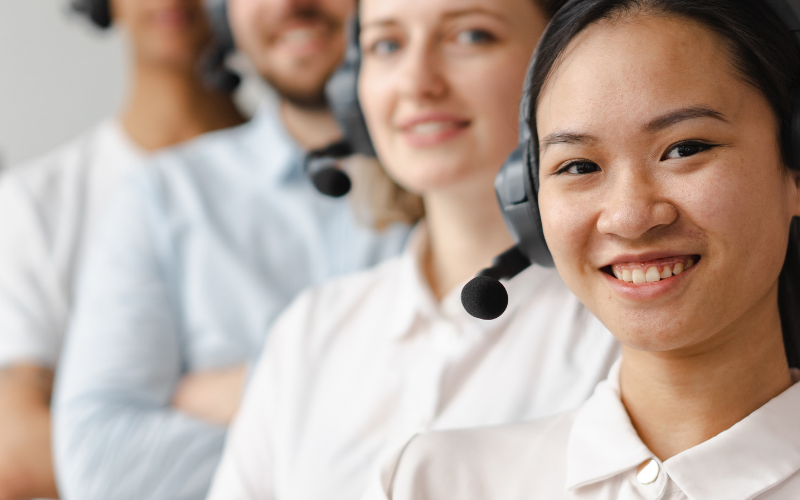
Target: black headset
[516, 185]
[98, 11]
[215, 73]
[341, 92]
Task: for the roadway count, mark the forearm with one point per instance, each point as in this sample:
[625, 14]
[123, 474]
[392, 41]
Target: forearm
[211, 395]
[26, 469]
[115, 449]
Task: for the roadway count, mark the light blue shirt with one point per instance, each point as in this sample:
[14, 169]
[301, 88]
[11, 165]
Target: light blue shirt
[199, 253]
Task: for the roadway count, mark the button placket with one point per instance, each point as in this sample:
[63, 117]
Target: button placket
[650, 479]
[422, 389]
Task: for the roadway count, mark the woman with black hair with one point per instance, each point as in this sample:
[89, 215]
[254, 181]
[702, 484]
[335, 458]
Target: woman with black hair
[668, 192]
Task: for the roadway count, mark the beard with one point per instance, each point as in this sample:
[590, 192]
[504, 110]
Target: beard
[312, 98]
[307, 92]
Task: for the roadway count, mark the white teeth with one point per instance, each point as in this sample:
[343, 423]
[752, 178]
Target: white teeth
[299, 35]
[637, 274]
[429, 128]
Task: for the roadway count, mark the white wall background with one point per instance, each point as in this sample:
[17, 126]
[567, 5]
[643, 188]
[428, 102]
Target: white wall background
[58, 76]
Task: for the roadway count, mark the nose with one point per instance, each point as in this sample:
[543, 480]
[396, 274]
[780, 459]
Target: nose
[635, 207]
[301, 7]
[421, 75]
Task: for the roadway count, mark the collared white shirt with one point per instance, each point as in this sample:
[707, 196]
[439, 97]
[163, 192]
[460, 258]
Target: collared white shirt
[595, 453]
[354, 368]
[48, 209]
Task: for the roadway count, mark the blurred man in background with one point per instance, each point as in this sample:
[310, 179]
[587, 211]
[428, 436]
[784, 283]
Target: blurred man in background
[50, 206]
[199, 254]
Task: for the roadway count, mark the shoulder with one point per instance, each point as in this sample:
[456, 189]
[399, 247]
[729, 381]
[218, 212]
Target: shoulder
[493, 462]
[46, 176]
[201, 167]
[338, 310]
[222, 149]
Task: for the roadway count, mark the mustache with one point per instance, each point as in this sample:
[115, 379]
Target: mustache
[310, 13]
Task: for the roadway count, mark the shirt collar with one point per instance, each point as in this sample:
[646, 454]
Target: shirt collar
[603, 443]
[759, 452]
[416, 301]
[266, 138]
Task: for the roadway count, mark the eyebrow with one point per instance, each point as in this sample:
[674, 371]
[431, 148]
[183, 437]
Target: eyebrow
[656, 125]
[565, 138]
[681, 115]
[446, 16]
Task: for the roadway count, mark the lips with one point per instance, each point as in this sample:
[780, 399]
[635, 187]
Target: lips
[173, 17]
[432, 129]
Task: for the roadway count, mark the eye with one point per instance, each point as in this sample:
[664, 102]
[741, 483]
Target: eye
[475, 37]
[579, 167]
[686, 149]
[385, 47]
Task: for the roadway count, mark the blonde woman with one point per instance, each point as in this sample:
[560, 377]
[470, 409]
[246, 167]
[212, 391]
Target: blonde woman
[357, 366]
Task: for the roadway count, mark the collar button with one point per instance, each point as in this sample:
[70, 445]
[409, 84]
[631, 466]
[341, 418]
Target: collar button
[647, 473]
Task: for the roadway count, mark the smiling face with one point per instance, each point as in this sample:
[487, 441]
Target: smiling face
[171, 32]
[295, 45]
[663, 195]
[440, 85]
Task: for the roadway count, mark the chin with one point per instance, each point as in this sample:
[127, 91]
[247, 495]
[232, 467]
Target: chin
[653, 332]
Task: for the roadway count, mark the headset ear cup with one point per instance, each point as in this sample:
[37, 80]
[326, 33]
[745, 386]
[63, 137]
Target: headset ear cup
[539, 252]
[794, 132]
[100, 13]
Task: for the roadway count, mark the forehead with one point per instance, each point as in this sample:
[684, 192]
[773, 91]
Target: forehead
[431, 10]
[630, 70]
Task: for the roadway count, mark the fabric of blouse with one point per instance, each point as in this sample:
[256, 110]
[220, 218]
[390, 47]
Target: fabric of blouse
[49, 208]
[356, 367]
[595, 453]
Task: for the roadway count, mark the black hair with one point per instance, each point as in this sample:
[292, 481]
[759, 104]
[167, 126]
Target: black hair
[764, 53]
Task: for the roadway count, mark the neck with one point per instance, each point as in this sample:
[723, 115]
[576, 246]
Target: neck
[312, 128]
[465, 232]
[677, 400]
[167, 106]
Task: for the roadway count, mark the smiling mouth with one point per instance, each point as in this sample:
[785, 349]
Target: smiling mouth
[653, 271]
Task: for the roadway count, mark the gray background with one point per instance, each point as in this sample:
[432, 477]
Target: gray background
[59, 76]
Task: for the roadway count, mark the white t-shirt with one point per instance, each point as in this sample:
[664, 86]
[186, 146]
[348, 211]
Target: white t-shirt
[594, 453]
[48, 208]
[356, 367]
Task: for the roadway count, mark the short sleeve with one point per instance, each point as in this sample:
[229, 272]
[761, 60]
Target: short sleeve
[33, 302]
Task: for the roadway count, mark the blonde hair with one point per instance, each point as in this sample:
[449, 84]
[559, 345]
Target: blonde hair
[377, 199]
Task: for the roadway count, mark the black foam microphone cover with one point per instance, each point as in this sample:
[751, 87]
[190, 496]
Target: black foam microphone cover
[332, 181]
[484, 298]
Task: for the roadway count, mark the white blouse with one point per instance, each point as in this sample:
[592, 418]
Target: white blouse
[595, 453]
[49, 208]
[356, 367]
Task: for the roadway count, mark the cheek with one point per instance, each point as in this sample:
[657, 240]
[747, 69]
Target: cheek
[568, 226]
[376, 96]
[735, 205]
